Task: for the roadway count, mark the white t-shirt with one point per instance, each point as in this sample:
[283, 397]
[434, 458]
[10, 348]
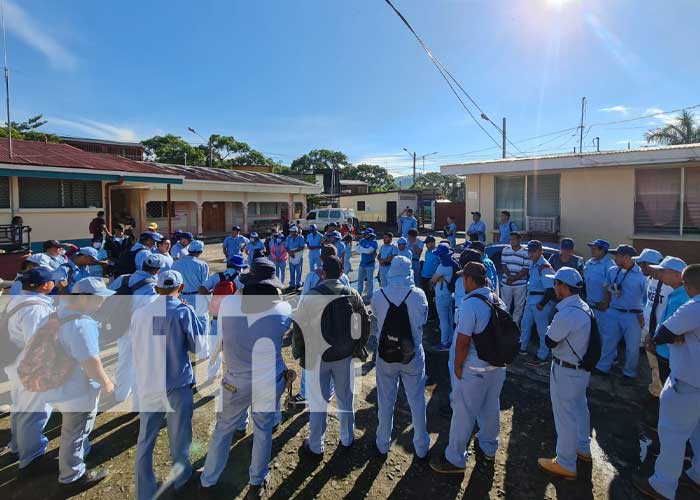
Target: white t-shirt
[660, 308]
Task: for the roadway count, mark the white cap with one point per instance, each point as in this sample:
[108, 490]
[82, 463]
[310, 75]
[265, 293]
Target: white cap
[169, 279]
[672, 263]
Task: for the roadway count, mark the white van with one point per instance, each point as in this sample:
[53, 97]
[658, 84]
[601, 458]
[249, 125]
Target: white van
[323, 216]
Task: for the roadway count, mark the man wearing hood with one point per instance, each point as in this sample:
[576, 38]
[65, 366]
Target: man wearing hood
[443, 295]
[400, 290]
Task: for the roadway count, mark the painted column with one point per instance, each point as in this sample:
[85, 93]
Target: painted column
[200, 214]
[245, 212]
[290, 208]
[142, 211]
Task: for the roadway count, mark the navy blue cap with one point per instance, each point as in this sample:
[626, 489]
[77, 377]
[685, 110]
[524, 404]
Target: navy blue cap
[604, 244]
[151, 234]
[567, 244]
[236, 261]
[37, 276]
[624, 250]
[534, 245]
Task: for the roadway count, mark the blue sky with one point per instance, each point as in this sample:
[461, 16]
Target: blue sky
[288, 77]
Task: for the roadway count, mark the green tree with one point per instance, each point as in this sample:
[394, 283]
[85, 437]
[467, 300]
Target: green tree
[320, 159]
[683, 130]
[174, 149]
[375, 176]
[450, 185]
[27, 130]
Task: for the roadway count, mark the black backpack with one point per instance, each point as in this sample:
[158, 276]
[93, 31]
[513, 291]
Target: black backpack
[593, 352]
[454, 278]
[336, 325]
[126, 263]
[499, 343]
[396, 340]
[116, 312]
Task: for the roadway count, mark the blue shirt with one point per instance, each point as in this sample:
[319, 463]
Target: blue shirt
[312, 280]
[478, 228]
[178, 251]
[145, 290]
[76, 274]
[251, 247]
[430, 265]
[441, 287]
[684, 357]
[452, 230]
[633, 286]
[386, 251]
[474, 317]
[214, 279]
[168, 262]
[416, 253]
[340, 248]
[571, 327]
[232, 245]
[675, 300]
[406, 252]
[538, 282]
[314, 240]
[194, 273]
[505, 230]
[406, 223]
[142, 255]
[491, 272]
[594, 276]
[368, 259]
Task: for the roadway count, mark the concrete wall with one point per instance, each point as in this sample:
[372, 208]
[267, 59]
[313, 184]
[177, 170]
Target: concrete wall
[375, 204]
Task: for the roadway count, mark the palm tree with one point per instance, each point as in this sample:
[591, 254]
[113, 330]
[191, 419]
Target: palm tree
[683, 130]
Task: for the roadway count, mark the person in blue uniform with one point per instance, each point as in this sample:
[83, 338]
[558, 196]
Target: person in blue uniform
[402, 247]
[477, 229]
[416, 245]
[477, 385]
[625, 286]
[313, 243]
[334, 238]
[443, 296]
[235, 243]
[679, 416]
[251, 324]
[180, 248]
[347, 243]
[402, 289]
[538, 305]
[163, 249]
[430, 265]
[385, 255]
[566, 257]
[164, 333]
[506, 227]
[491, 271]
[407, 221]
[367, 248]
[77, 267]
[295, 250]
[595, 272]
[568, 337]
[254, 247]
[451, 232]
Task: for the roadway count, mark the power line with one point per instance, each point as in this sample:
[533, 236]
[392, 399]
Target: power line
[646, 116]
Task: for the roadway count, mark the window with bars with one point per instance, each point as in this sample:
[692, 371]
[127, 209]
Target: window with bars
[4, 192]
[361, 206]
[667, 201]
[510, 196]
[159, 209]
[543, 195]
[59, 193]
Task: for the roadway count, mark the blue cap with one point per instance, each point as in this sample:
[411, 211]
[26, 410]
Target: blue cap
[88, 251]
[369, 232]
[151, 234]
[313, 227]
[442, 250]
[624, 250]
[567, 244]
[672, 264]
[37, 276]
[40, 259]
[567, 275]
[292, 229]
[91, 286]
[155, 260]
[196, 246]
[402, 241]
[169, 279]
[236, 228]
[649, 256]
[187, 235]
[604, 244]
[534, 245]
[254, 235]
[236, 261]
[334, 234]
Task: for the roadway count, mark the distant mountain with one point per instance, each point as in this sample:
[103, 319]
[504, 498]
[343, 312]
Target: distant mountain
[404, 182]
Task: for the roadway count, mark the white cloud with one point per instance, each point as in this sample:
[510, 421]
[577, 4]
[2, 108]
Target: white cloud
[661, 119]
[616, 109]
[95, 129]
[21, 25]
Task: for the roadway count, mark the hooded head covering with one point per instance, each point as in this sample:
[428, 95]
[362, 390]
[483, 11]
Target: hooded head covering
[400, 272]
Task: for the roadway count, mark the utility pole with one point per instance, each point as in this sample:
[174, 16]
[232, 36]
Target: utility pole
[504, 137]
[596, 141]
[7, 83]
[414, 169]
[583, 113]
[208, 143]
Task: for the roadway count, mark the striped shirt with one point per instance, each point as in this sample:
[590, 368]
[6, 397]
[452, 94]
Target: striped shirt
[515, 261]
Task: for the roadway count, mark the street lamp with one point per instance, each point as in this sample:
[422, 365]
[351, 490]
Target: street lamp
[424, 157]
[203, 139]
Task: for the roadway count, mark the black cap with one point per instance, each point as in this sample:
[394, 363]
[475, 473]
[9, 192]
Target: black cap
[469, 255]
[478, 245]
[52, 244]
[429, 239]
[473, 269]
[262, 272]
[477, 213]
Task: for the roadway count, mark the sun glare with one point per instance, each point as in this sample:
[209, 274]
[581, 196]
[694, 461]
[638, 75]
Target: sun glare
[558, 3]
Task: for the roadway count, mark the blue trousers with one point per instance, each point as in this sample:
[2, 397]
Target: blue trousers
[179, 437]
[415, 266]
[295, 273]
[679, 422]
[347, 265]
[281, 270]
[476, 396]
[384, 276]
[619, 325]
[234, 408]
[30, 414]
[453, 241]
[446, 312]
[368, 273]
[531, 317]
[413, 377]
[315, 260]
[77, 423]
[567, 389]
[341, 374]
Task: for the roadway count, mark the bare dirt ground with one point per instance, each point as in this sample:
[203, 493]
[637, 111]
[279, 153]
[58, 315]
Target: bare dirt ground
[527, 432]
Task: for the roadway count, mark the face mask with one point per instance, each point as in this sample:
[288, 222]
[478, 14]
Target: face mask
[61, 251]
[97, 245]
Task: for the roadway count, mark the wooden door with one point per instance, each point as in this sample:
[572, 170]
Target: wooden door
[213, 218]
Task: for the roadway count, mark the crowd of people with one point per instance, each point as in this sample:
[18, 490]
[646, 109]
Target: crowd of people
[580, 310]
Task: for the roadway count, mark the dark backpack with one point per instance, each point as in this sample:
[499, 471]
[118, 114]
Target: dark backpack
[10, 350]
[396, 340]
[116, 312]
[45, 364]
[454, 278]
[593, 352]
[336, 325]
[499, 343]
[126, 263]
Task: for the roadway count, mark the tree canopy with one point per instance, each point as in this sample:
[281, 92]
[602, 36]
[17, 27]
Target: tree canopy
[450, 185]
[375, 176]
[27, 130]
[320, 159]
[683, 130]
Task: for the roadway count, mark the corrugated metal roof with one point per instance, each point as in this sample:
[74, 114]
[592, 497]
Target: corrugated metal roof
[227, 175]
[68, 138]
[35, 153]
